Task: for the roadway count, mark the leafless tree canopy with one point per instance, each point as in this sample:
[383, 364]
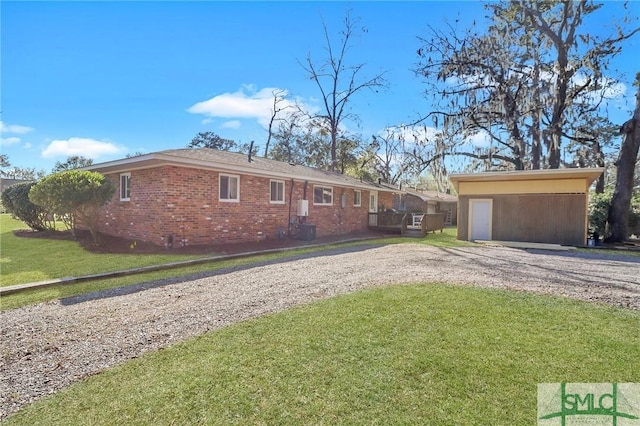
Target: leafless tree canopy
[338, 82]
[531, 85]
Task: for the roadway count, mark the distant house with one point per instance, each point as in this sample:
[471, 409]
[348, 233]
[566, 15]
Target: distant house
[430, 202]
[206, 196]
[5, 183]
[541, 206]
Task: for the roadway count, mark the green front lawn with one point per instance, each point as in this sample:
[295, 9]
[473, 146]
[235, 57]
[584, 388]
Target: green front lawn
[419, 354]
[26, 260]
[446, 238]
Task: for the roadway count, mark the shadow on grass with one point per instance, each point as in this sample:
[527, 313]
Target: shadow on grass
[135, 288]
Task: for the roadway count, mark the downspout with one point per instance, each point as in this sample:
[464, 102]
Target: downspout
[290, 204]
[304, 197]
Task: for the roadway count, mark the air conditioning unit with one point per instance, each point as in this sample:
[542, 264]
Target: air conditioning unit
[303, 207]
[307, 232]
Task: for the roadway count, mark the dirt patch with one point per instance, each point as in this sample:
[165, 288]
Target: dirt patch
[117, 245]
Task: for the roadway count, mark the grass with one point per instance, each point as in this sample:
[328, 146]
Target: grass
[446, 238]
[30, 259]
[611, 252]
[415, 354]
[36, 259]
[37, 295]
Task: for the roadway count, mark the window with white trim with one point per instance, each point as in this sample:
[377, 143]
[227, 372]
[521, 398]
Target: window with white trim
[125, 186]
[229, 188]
[277, 192]
[357, 198]
[323, 195]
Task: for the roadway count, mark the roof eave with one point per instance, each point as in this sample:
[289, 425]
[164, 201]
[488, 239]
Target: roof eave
[162, 159]
[589, 174]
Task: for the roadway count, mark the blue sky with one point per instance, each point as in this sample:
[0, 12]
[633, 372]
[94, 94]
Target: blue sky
[106, 79]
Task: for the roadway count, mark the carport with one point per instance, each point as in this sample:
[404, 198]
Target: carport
[539, 206]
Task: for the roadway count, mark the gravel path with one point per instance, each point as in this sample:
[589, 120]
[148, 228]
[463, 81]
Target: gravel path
[49, 346]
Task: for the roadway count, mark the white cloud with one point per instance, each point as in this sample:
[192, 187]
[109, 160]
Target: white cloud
[85, 147]
[246, 103]
[233, 124]
[9, 141]
[14, 128]
[253, 105]
[479, 139]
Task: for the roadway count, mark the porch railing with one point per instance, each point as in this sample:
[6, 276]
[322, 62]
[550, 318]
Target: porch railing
[402, 221]
[386, 219]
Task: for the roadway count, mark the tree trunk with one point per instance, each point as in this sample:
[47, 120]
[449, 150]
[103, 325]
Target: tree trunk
[334, 143]
[536, 147]
[597, 149]
[618, 219]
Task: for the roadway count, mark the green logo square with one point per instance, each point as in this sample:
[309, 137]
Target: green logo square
[616, 404]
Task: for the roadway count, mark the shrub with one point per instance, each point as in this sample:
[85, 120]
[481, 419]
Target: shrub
[634, 216]
[15, 200]
[76, 195]
[599, 210]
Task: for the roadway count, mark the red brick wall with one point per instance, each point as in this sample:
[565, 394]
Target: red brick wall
[184, 203]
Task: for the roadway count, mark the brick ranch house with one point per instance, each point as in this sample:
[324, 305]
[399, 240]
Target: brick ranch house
[205, 196]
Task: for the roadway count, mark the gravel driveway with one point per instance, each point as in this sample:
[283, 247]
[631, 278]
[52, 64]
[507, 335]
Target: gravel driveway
[49, 346]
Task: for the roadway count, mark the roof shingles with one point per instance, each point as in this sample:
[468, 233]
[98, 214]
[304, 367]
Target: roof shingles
[239, 163]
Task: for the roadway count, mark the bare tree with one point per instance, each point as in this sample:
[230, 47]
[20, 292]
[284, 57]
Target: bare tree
[339, 82]
[479, 86]
[559, 25]
[618, 218]
[527, 83]
[278, 99]
[386, 157]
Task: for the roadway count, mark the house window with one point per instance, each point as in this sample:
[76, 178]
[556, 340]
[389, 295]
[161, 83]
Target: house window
[125, 186]
[229, 188]
[277, 192]
[323, 195]
[357, 198]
